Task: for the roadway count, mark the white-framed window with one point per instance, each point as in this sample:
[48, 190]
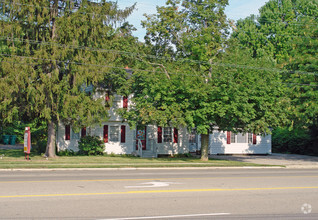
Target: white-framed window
[250, 138]
[167, 134]
[114, 133]
[75, 136]
[240, 138]
[233, 140]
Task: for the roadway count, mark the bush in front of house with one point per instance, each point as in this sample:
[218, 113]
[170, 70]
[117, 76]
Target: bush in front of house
[185, 155]
[67, 153]
[91, 145]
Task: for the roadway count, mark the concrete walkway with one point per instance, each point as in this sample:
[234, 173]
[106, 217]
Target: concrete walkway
[287, 160]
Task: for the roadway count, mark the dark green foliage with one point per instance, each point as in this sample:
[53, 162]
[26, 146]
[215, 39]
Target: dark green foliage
[185, 155]
[287, 31]
[91, 145]
[112, 154]
[50, 51]
[234, 98]
[67, 153]
[16, 129]
[38, 130]
[39, 147]
[209, 81]
[204, 80]
[296, 141]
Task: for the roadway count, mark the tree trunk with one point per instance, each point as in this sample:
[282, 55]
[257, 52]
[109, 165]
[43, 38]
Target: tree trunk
[50, 147]
[54, 14]
[204, 147]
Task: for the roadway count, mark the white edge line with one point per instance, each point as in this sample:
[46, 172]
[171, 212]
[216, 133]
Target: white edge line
[167, 216]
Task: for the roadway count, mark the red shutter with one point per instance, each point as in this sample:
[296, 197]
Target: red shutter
[67, 132]
[159, 134]
[107, 96]
[125, 102]
[175, 135]
[228, 137]
[123, 134]
[254, 138]
[105, 134]
[83, 133]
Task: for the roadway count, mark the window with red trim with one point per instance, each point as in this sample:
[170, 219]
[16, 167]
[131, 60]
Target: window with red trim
[114, 133]
[167, 134]
[252, 138]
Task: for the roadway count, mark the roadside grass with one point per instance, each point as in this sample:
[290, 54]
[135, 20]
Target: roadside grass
[14, 159]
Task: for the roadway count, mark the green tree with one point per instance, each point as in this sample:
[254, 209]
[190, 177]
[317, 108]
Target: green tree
[201, 84]
[54, 64]
[287, 31]
[193, 30]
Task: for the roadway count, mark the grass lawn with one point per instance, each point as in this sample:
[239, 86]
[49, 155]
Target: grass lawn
[14, 159]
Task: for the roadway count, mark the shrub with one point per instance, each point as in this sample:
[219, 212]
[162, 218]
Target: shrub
[185, 155]
[67, 153]
[91, 145]
[296, 141]
[39, 147]
[38, 130]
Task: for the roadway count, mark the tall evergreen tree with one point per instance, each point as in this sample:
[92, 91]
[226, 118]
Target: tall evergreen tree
[54, 63]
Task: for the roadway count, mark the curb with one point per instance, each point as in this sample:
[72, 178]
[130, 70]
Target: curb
[301, 166]
[141, 168]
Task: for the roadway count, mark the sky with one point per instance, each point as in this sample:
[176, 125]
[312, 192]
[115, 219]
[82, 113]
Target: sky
[235, 10]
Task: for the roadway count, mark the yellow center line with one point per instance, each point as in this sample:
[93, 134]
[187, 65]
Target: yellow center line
[158, 191]
[149, 179]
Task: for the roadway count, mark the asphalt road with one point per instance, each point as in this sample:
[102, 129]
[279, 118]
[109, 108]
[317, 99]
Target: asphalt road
[160, 194]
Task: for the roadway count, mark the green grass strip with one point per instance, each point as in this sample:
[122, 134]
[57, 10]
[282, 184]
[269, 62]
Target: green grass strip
[14, 159]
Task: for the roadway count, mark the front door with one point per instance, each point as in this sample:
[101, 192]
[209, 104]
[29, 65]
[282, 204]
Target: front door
[141, 134]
